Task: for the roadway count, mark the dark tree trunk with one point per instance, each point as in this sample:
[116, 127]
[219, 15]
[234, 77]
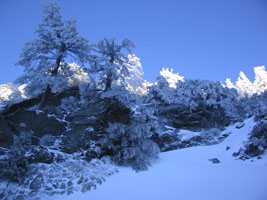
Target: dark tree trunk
[47, 93]
[108, 82]
[109, 76]
[45, 96]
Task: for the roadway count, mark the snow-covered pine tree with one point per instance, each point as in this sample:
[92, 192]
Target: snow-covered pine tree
[111, 62]
[130, 144]
[135, 82]
[260, 82]
[229, 83]
[16, 164]
[164, 90]
[44, 56]
[171, 78]
[244, 86]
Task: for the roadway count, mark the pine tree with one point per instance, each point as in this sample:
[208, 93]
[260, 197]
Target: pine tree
[260, 82]
[111, 62]
[130, 143]
[244, 86]
[56, 41]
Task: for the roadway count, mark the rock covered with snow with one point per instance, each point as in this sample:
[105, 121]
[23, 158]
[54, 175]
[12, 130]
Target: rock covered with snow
[256, 144]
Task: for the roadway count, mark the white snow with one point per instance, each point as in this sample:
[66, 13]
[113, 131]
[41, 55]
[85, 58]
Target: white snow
[187, 174]
[186, 134]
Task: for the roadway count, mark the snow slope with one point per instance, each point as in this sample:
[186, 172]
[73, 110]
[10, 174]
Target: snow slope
[187, 174]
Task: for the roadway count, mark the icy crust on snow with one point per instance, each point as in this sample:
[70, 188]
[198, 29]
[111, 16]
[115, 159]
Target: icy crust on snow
[72, 174]
[188, 174]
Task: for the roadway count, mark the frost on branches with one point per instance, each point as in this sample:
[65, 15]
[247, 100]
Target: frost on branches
[164, 88]
[44, 58]
[130, 144]
[111, 63]
[170, 77]
[260, 82]
[68, 75]
[246, 88]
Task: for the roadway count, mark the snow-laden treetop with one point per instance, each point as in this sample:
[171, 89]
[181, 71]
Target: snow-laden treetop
[245, 87]
[170, 77]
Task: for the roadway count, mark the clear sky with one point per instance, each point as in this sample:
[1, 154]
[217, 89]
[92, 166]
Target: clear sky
[199, 39]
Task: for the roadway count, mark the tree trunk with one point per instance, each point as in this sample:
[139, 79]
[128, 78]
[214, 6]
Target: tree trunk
[108, 82]
[54, 73]
[45, 96]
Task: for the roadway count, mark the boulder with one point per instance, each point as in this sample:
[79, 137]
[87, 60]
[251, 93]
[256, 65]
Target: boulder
[214, 160]
[37, 183]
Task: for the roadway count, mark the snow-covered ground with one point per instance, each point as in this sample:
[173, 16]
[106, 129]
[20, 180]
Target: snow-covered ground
[187, 174]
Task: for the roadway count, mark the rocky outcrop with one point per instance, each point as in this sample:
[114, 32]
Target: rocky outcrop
[37, 122]
[256, 145]
[87, 125]
[182, 117]
[19, 117]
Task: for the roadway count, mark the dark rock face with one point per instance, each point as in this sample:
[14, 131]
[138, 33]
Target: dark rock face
[6, 133]
[89, 123]
[182, 117]
[26, 121]
[16, 118]
[257, 142]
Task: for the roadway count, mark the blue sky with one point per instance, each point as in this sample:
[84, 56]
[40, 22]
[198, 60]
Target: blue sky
[207, 39]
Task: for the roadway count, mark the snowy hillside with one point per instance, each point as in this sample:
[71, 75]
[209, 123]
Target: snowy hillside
[190, 174]
[70, 127]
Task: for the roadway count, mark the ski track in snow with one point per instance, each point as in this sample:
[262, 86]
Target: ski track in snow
[187, 174]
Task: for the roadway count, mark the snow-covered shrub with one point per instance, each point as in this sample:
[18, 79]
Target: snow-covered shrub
[121, 94]
[213, 132]
[257, 141]
[73, 174]
[210, 136]
[130, 144]
[47, 140]
[15, 166]
[160, 92]
[255, 105]
[69, 104]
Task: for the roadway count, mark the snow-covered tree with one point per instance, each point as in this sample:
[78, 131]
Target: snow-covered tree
[56, 41]
[111, 62]
[229, 83]
[16, 164]
[260, 82]
[135, 82]
[130, 143]
[170, 77]
[244, 86]
[68, 75]
[164, 89]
